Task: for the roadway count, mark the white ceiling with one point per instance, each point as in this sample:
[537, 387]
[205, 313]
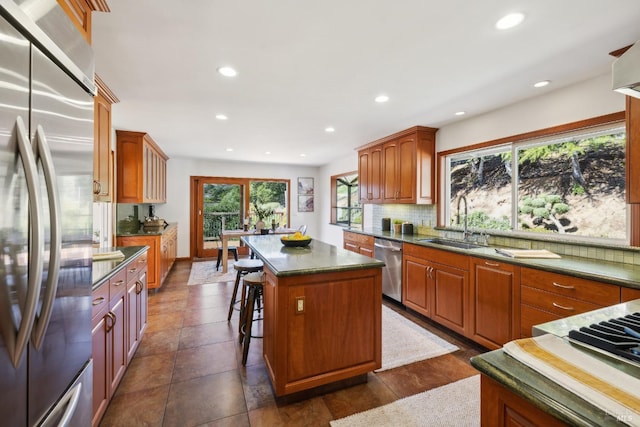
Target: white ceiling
[304, 65]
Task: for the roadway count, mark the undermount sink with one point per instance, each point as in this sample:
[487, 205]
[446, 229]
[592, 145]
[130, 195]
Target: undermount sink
[452, 243]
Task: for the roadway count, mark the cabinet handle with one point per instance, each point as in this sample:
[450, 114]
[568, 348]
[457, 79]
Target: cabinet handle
[139, 286]
[558, 285]
[133, 270]
[97, 301]
[563, 307]
[110, 326]
[97, 187]
[492, 264]
[118, 283]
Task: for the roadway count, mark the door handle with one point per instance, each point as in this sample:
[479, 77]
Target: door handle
[42, 152]
[16, 340]
[70, 401]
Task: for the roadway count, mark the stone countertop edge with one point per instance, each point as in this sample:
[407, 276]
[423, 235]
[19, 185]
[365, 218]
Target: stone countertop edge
[318, 257]
[626, 275]
[540, 391]
[105, 269]
[141, 231]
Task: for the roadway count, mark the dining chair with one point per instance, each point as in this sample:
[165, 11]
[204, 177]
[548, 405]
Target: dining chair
[232, 249]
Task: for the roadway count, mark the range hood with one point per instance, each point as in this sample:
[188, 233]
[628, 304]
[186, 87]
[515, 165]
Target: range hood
[626, 72]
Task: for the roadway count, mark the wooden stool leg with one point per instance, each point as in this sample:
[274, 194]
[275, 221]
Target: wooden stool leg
[234, 295]
[248, 321]
[243, 307]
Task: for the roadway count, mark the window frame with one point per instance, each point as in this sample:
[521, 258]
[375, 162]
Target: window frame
[334, 202]
[514, 143]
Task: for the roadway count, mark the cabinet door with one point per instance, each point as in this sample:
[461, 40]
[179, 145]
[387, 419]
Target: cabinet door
[376, 174]
[406, 170]
[102, 168]
[132, 319]
[364, 176]
[142, 301]
[495, 303]
[101, 375]
[391, 173]
[450, 302]
[415, 293]
[117, 340]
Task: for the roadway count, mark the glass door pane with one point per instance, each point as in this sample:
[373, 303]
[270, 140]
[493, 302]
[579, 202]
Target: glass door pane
[221, 210]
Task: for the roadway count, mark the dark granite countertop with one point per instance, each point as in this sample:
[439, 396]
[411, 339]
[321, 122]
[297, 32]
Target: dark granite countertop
[318, 257]
[546, 394]
[615, 273]
[105, 269]
[152, 232]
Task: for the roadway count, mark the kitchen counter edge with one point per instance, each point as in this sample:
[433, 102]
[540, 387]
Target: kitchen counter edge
[105, 269]
[141, 231]
[626, 275]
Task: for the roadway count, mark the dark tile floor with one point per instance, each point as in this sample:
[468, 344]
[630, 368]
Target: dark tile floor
[187, 370]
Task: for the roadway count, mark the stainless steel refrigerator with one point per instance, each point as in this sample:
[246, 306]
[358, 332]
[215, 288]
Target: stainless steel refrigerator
[46, 178]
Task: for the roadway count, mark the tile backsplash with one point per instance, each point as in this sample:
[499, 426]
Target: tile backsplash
[424, 218]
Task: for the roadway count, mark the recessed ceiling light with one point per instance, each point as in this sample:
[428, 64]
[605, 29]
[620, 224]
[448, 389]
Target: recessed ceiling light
[221, 117]
[329, 129]
[267, 152]
[303, 155]
[229, 149]
[227, 71]
[382, 98]
[509, 21]
[542, 83]
[460, 113]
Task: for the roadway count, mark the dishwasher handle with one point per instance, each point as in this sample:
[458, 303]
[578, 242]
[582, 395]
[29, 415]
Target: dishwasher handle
[388, 248]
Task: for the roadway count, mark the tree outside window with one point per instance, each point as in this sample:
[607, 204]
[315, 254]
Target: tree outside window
[346, 210]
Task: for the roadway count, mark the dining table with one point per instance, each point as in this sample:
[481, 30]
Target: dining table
[227, 235]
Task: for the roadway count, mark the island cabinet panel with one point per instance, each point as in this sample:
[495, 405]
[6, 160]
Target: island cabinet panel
[321, 328]
[629, 294]
[494, 308]
[547, 296]
[435, 284]
[358, 243]
[399, 168]
[500, 407]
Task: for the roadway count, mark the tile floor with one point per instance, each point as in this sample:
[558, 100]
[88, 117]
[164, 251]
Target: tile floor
[187, 370]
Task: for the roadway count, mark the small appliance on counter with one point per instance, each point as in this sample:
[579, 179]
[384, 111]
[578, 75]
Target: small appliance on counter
[407, 228]
[152, 222]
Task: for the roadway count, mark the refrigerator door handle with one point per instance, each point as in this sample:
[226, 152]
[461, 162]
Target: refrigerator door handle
[42, 152]
[70, 399]
[19, 341]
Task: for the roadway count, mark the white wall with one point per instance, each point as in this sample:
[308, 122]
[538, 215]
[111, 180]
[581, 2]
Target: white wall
[581, 101]
[179, 171]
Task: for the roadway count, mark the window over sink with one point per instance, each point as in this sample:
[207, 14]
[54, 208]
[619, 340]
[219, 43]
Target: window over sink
[346, 210]
[569, 183]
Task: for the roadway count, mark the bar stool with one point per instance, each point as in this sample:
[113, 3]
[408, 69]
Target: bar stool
[244, 266]
[253, 282]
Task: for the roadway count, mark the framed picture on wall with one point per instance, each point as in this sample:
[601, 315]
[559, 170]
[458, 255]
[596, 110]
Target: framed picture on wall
[305, 203]
[305, 186]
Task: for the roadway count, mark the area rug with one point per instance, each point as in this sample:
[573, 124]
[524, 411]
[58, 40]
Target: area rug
[203, 272]
[404, 342]
[456, 404]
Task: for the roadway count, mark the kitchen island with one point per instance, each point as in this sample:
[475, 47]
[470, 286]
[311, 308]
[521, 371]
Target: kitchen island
[322, 314]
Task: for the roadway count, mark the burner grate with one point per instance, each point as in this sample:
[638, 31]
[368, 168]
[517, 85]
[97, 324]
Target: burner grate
[619, 336]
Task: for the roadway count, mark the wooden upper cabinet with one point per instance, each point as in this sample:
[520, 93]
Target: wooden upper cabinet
[102, 159]
[142, 169]
[79, 11]
[633, 150]
[405, 168]
[370, 174]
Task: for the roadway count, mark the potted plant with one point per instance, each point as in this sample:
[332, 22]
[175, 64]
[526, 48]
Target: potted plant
[397, 226]
[262, 212]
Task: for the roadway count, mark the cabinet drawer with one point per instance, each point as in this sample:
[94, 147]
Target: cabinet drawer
[359, 239]
[134, 268]
[530, 316]
[451, 259]
[117, 283]
[554, 303]
[572, 287]
[99, 299]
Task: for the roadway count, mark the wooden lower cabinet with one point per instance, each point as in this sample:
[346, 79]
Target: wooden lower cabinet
[162, 253]
[119, 314]
[629, 294]
[321, 328]
[435, 284]
[547, 296]
[358, 243]
[500, 407]
[494, 302]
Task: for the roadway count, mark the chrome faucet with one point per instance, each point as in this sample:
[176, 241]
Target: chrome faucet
[465, 233]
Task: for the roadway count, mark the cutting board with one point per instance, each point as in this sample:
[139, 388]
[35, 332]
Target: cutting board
[527, 253]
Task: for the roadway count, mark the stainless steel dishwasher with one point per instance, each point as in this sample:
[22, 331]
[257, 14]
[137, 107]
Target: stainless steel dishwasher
[390, 253]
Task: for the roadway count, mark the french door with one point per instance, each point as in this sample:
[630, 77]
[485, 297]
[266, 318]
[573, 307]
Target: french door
[219, 206]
